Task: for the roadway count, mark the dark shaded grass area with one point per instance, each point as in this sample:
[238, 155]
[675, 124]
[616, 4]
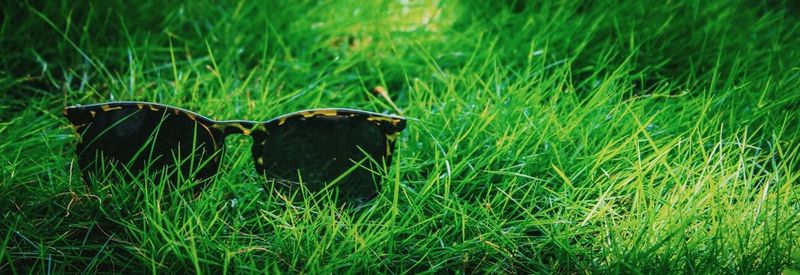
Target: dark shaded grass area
[545, 136]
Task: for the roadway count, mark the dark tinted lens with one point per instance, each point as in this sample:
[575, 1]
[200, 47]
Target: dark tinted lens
[320, 149]
[145, 140]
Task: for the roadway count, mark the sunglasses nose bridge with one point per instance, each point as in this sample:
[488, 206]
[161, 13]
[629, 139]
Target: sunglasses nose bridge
[242, 127]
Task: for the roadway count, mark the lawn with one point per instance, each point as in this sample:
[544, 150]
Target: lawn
[543, 136]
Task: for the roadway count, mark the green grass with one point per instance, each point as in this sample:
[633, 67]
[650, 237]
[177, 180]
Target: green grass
[639, 136]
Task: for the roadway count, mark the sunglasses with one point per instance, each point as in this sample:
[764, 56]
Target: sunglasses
[321, 149]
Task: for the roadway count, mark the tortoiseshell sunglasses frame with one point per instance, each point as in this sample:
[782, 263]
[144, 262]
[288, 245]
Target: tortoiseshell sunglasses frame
[390, 125]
